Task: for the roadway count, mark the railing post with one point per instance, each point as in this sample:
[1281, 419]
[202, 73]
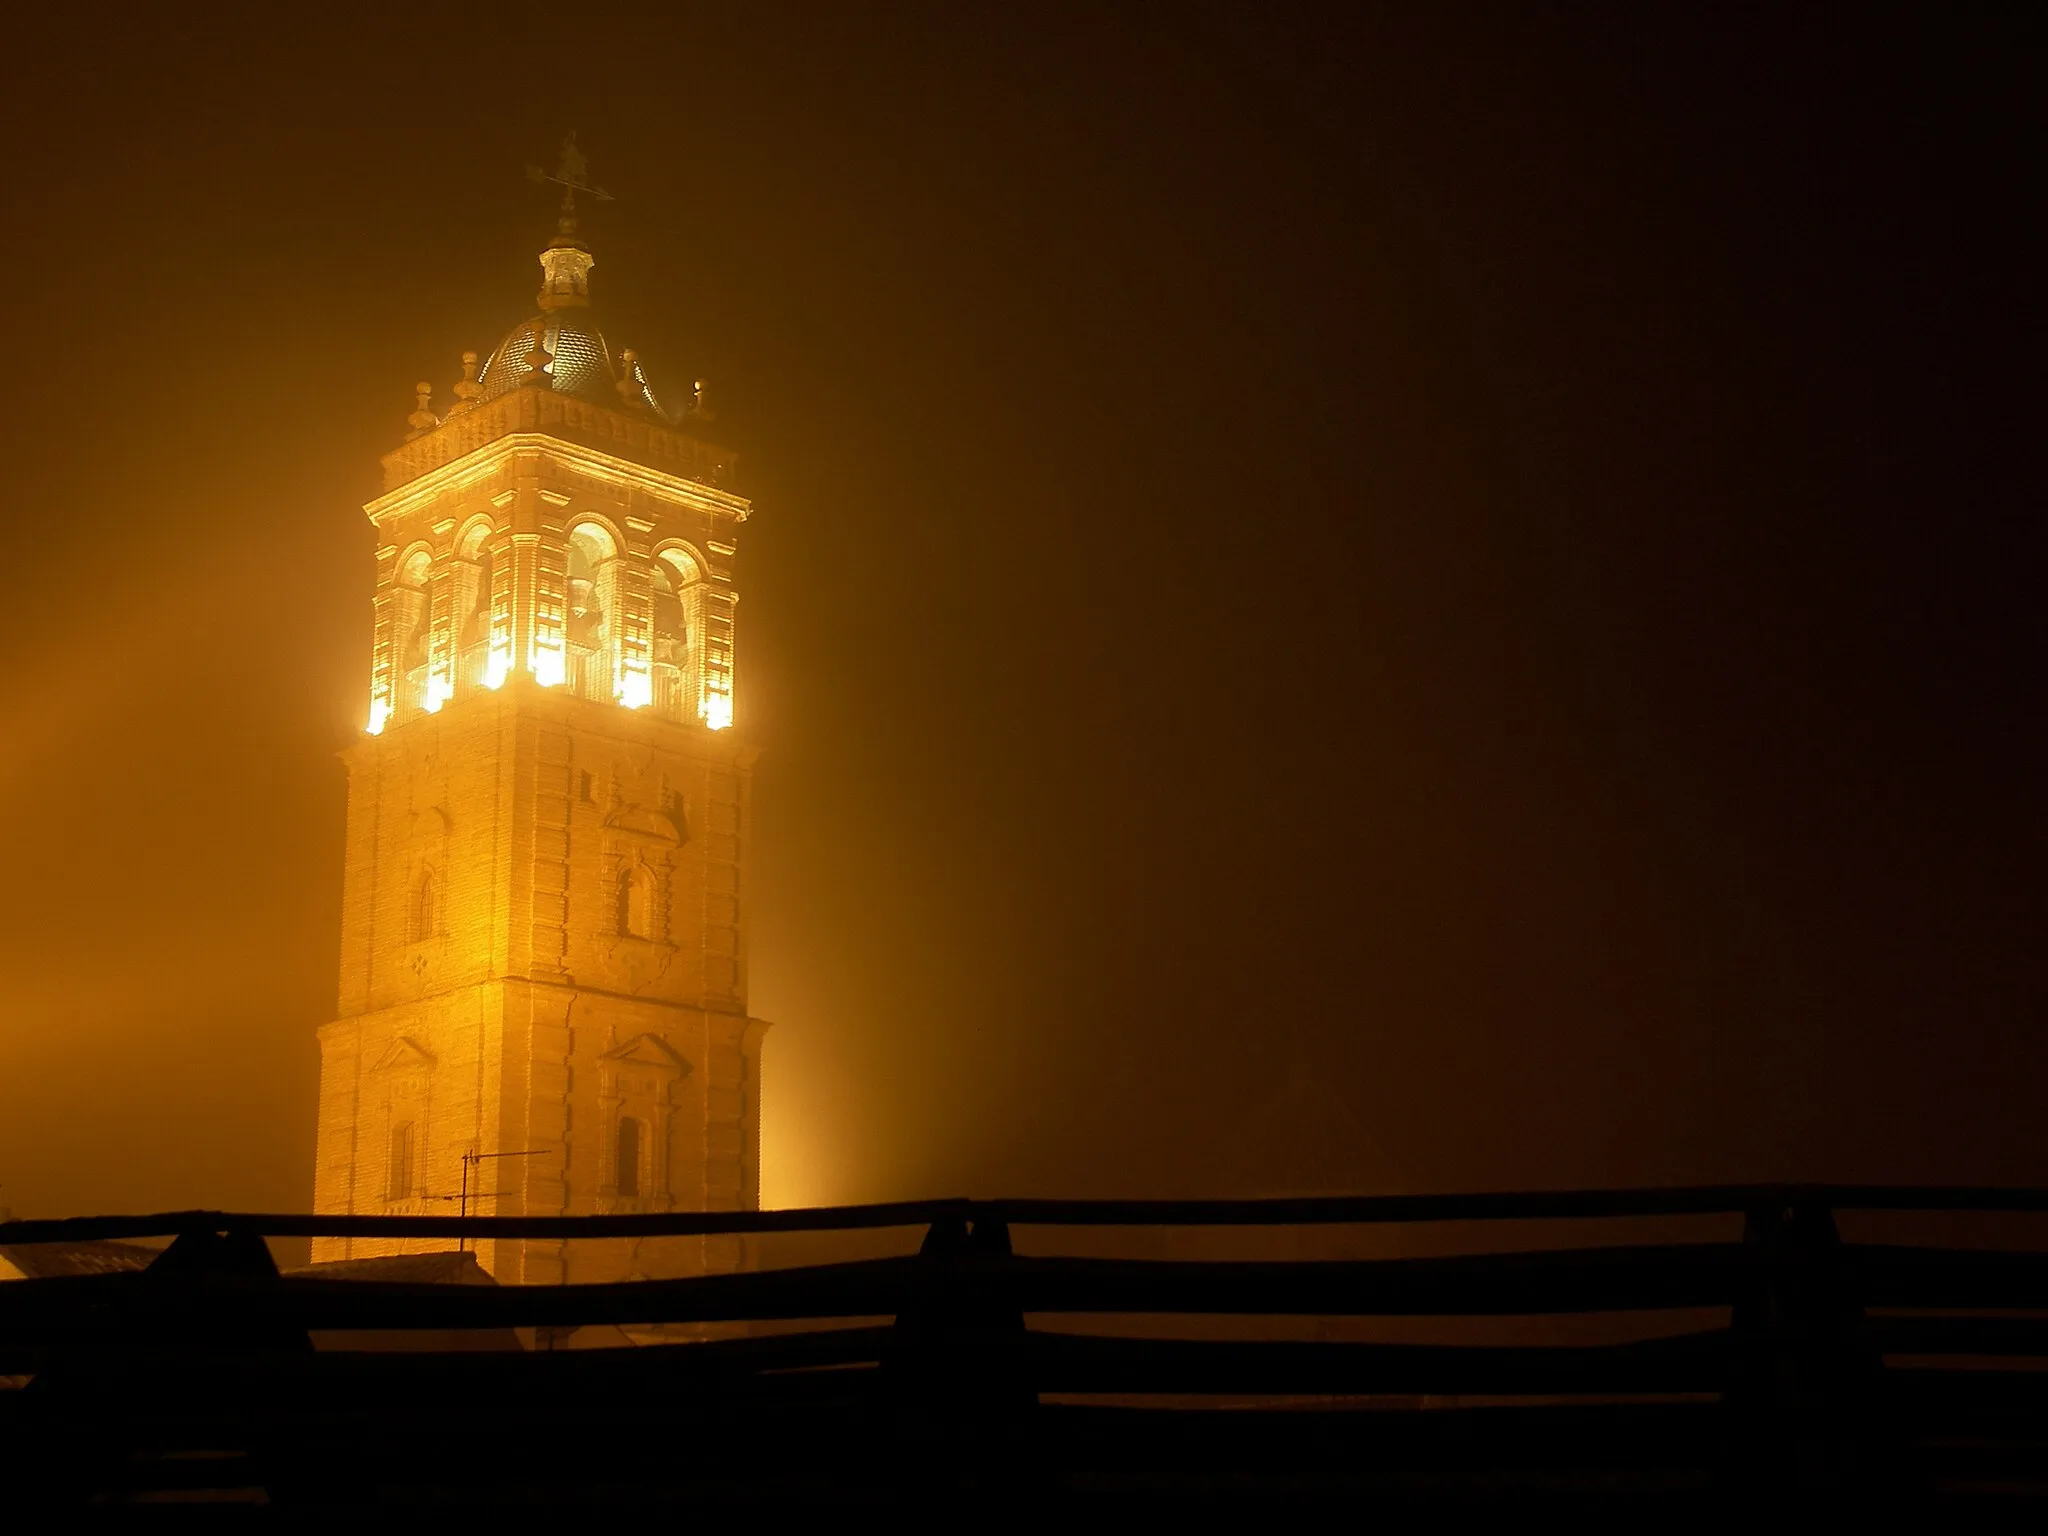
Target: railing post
[1803, 1403]
[957, 1361]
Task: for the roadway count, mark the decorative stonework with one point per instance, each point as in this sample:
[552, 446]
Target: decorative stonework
[572, 421]
[637, 1082]
[544, 939]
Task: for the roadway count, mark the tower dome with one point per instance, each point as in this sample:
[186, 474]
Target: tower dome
[564, 350]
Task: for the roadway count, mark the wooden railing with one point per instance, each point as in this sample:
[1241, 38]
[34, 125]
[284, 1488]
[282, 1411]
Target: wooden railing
[1793, 1360]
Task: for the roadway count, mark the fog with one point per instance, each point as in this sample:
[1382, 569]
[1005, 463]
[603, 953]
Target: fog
[1413, 604]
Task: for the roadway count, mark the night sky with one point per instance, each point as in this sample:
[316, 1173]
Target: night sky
[1410, 598]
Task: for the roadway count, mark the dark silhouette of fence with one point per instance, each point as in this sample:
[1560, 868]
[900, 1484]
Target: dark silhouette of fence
[1881, 1370]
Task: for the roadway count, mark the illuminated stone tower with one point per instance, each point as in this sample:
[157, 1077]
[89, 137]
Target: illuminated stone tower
[543, 949]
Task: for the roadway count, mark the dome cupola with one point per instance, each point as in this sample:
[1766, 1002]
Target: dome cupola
[562, 348]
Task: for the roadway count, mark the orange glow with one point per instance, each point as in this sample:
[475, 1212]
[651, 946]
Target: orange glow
[550, 666]
[791, 1162]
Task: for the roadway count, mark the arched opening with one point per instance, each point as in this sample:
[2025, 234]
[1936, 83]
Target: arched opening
[398, 1168]
[678, 604]
[474, 604]
[410, 629]
[635, 898]
[626, 1158]
[422, 918]
[592, 620]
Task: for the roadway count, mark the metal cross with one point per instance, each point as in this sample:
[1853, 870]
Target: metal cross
[572, 175]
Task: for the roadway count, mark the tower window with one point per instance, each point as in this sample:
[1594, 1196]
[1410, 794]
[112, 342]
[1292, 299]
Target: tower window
[421, 919]
[635, 914]
[411, 629]
[626, 1174]
[476, 627]
[675, 585]
[398, 1171]
[592, 633]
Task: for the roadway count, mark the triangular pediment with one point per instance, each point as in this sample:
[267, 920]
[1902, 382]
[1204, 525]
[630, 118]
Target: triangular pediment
[426, 827]
[645, 821]
[648, 1051]
[403, 1054]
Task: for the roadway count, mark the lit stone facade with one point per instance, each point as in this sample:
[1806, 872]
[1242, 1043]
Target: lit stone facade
[543, 942]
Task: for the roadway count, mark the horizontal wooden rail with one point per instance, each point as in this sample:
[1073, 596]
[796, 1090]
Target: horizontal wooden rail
[1972, 1335]
[1046, 1361]
[1539, 1205]
[1890, 1276]
[1789, 1360]
[1532, 1205]
[842, 1218]
[1569, 1280]
[1070, 1363]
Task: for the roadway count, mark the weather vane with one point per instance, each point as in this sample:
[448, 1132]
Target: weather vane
[572, 175]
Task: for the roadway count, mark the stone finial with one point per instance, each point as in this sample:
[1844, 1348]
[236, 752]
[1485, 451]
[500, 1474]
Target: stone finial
[631, 390]
[467, 390]
[423, 419]
[538, 361]
[700, 405]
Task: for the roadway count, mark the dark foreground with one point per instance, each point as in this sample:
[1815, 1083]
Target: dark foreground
[1772, 1361]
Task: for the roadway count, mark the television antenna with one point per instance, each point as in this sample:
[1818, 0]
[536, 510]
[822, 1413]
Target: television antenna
[473, 1158]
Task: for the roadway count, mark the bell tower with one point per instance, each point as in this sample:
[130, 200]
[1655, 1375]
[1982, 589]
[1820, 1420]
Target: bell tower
[543, 958]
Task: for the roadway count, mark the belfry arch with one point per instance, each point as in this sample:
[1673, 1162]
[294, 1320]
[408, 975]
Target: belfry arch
[593, 629]
[677, 588]
[473, 602]
[411, 627]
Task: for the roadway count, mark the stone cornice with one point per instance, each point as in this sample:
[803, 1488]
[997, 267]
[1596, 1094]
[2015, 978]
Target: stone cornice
[490, 457]
[522, 696]
[633, 435]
